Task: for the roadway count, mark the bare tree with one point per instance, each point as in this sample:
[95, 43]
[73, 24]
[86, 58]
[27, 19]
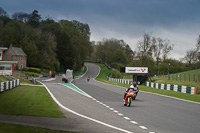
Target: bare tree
[158, 47]
[167, 47]
[145, 47]
[191, 56]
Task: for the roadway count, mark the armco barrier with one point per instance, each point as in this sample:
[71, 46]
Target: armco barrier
[120, 81]
[178, 88]
[7, 85]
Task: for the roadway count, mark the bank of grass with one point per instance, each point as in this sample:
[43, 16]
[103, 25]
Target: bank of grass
[186, 83]
[29, 100]
[14, 128]
[105, 72]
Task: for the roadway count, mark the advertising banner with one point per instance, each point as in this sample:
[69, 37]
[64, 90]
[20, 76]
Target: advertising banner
[136, 69]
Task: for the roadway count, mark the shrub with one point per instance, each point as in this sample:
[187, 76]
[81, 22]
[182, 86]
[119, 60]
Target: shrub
[32, 69]
[116, 74]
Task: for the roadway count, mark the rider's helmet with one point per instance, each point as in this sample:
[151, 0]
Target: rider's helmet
[134, 84]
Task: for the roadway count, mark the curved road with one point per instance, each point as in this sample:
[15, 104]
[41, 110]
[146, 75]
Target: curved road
[105, 112]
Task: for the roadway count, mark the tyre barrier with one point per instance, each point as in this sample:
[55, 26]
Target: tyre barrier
[177, 88]
[7, 85]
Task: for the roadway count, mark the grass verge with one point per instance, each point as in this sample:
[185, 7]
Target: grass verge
[102, 77]
[14, 128]
[29, 100]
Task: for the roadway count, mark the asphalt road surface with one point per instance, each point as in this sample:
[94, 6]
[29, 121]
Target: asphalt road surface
[102, 110]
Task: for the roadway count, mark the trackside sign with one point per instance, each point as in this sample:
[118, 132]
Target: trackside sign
[136, 69]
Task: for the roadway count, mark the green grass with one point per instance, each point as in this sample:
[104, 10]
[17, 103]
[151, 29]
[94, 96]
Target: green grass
[188, 78]
[14, 128]
[103, 78]
[28, 100]
[104, 73]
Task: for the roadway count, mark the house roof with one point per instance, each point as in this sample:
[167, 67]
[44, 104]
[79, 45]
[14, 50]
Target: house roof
[18, 51]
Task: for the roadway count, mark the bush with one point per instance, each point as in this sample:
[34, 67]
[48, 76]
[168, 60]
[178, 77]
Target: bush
[116, 74]
[32, 69]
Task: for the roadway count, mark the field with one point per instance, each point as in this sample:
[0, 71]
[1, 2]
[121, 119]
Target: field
[188, 78]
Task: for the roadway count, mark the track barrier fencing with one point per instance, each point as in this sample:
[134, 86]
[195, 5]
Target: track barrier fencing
[8, 85]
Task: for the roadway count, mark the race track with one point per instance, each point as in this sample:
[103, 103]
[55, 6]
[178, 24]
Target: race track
[104, 112]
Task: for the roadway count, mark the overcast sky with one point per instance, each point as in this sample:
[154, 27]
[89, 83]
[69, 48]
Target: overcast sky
[128, 20]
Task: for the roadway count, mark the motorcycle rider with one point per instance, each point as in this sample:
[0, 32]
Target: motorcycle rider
[133, 86]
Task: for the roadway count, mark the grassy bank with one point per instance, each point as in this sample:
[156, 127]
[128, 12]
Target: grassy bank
[105, 72]
[29, 100]
[14, 128]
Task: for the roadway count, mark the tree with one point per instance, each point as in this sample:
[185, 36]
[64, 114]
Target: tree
[20, 16]
[3, 13]
[145, 47]
[158, 47]
[167, 48]
[191, 56]
[34, 19]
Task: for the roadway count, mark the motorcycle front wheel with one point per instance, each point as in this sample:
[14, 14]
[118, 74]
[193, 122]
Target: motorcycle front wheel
[129, 101]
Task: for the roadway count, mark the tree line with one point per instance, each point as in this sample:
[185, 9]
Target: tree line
[48, 44]
[151, 52]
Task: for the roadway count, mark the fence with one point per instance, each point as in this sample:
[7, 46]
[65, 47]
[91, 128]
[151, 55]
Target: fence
[120, 81]
[7, 85]
[182, 77]
[178, 88]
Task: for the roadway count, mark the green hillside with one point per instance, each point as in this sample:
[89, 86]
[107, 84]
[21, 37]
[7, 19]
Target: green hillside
[188, 78]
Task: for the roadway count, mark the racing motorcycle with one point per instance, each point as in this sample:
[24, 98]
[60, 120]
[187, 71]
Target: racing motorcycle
[129, 98]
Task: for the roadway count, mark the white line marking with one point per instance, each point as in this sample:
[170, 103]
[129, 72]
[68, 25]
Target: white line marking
[126, 118]
[120, 114]
[134, 122]
[111, 109]
[49, 79]
[143, 127]
[171, 97]
[115, 111]
[94, 120]
[85, 94]
[107, 106]
[151, 132]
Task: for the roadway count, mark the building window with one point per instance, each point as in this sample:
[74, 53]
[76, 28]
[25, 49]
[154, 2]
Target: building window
[5, 66]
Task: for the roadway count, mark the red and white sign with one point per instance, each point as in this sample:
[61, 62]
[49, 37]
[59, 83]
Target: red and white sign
[136, 69]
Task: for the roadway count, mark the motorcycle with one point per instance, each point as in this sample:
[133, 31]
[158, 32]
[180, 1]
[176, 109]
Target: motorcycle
[130, 95]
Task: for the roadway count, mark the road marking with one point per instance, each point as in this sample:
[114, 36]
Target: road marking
[143, 127]
[75, 88]
[86, 117]
[120, 114]
[126, 118]
[49, 79]
[134, 122]
[111, 109]
[115, 111]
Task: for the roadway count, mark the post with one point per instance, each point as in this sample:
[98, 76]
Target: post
[168, 72]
